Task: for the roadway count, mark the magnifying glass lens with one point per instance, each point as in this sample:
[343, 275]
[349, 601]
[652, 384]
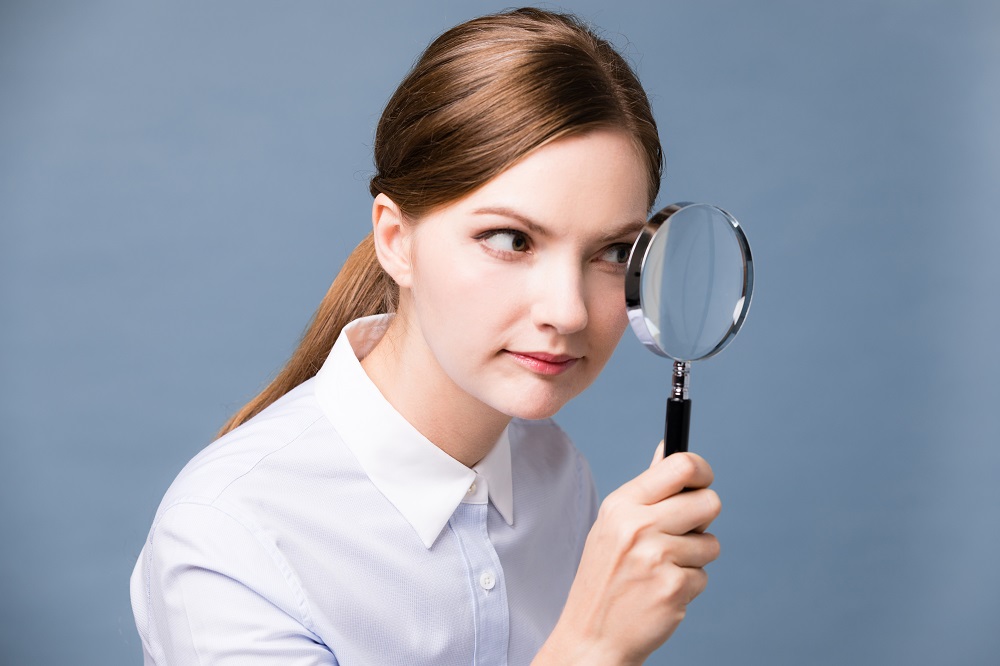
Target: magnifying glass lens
[693, 283]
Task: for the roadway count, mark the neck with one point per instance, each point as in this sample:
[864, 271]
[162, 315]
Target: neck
[410, 379]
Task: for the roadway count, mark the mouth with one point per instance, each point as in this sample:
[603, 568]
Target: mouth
[544, 363]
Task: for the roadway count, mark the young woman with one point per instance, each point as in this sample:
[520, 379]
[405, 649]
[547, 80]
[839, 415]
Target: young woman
[398, 494]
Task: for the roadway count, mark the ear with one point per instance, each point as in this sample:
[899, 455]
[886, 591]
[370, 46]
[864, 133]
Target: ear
[392, 236]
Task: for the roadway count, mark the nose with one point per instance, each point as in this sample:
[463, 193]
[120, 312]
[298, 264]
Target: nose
[559, 300]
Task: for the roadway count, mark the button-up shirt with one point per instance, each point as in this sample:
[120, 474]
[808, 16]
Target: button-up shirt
[328, 530]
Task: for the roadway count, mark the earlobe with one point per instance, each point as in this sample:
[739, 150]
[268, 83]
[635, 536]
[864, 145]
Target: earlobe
[391, 234]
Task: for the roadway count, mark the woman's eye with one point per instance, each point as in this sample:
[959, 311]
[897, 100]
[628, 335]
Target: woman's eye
[617, 254]
[507, 241]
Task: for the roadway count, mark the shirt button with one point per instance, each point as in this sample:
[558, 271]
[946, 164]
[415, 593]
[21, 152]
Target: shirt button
[487, 581]
[471, 489]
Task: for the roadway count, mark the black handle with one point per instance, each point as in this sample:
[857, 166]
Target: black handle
[677, 426]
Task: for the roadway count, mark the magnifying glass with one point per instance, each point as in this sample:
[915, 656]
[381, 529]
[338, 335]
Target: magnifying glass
[687, 291]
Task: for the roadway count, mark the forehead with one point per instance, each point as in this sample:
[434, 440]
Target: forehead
[581, 182]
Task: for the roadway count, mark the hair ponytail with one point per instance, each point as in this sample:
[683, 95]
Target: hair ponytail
[481, 97]
[361, 288]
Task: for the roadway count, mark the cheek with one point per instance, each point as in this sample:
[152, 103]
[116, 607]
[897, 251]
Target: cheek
[461, 299]
[608, 315]
[461, 283]
[441, 281]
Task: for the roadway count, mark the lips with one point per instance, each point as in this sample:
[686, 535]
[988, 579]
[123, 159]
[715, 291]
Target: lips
[544, 363]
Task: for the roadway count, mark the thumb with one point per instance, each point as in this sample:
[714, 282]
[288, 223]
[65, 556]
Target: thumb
[658, 456]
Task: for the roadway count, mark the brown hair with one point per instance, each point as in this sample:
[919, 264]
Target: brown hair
[481, 97]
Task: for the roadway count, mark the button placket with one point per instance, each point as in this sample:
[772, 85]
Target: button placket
[486, 578]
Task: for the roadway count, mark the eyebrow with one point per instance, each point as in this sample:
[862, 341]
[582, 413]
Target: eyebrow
[616, 233]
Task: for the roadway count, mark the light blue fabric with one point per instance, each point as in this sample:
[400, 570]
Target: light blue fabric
[275, 546]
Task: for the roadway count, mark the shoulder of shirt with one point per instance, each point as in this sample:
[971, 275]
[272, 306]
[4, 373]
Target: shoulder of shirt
[268, 436]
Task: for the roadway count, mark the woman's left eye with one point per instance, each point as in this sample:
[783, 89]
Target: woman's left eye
[506, 240]
[616, 254]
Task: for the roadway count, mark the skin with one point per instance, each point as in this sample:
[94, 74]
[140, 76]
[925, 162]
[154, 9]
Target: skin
[511, 302]
[531, 262]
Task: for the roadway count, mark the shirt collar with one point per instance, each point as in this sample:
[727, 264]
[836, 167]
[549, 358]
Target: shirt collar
[423, 482]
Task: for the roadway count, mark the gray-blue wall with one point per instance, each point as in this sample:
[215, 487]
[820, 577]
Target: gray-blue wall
[180, 181]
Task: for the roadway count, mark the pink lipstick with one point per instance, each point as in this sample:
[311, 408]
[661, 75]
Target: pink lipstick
[544, 363]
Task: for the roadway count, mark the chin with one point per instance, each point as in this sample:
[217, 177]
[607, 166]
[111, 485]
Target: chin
[534, 408]
[532, 414]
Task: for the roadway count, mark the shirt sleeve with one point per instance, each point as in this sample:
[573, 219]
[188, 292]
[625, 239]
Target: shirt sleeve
[208, 590]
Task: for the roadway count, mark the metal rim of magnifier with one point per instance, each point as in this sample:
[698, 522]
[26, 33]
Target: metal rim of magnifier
[633, 279]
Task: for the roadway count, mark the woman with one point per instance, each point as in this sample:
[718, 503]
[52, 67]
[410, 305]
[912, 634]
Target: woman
[398, 494]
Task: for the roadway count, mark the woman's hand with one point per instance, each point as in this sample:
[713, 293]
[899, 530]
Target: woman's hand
[641, 566]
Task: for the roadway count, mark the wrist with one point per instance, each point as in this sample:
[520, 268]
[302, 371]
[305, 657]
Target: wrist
[567, 647]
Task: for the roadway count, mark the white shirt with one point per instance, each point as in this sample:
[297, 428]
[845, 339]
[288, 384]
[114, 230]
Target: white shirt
[327, 530]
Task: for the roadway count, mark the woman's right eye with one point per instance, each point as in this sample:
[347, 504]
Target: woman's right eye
[506, 240]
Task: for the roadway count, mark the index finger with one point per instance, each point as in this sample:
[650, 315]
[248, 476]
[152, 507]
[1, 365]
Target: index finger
[668, 477]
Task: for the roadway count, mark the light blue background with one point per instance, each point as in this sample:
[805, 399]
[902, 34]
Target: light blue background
[180, 181]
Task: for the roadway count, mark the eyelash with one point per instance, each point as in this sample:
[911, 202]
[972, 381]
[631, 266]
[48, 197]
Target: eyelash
[619, 246]
[511, 254]
[503, 253]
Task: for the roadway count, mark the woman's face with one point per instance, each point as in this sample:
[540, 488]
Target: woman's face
[515, 294]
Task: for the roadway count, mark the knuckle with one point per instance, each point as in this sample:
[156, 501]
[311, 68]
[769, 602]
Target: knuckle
[632, 529]
[685, 585]
[672, 587]
[625, 540]
[623, 522]
[649, 557]
[611, 506]
[684, 465]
